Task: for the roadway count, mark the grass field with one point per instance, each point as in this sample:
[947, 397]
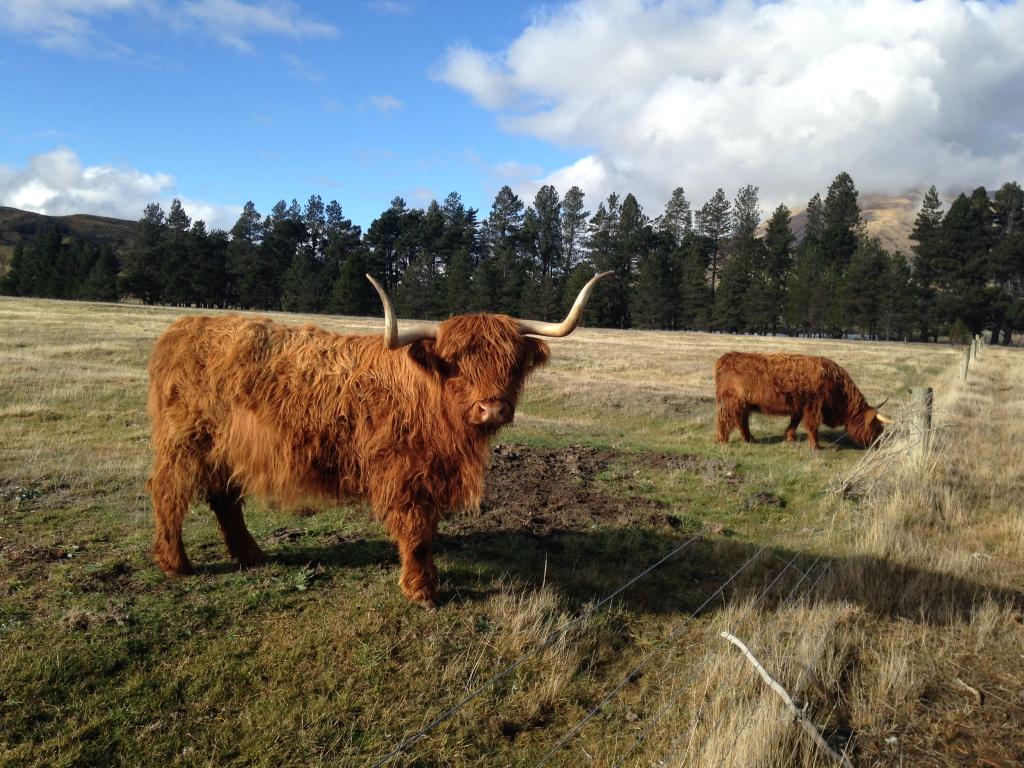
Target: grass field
[893, 611]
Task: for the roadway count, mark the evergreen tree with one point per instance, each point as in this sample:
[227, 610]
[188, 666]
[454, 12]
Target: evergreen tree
[346, 262]
[574, 228]
[839, 241]
[458, 283]
[807, 299]
[461, 230]
[101, 283]
[14, 282]
[962, 270]
[897, 304]
[656, 293]
[279, 249]
[420, 293]
[928, 249]
[383, 238]
[542, 235]
[814, 227]
[778, 246]
[246, 273]
[611, 297]
[176, 257]
[352, 293]
[739, 305]
[863, 287]
[1007, 257]
[503, 233]
[694, 307]
[677, 220]
[713, 223]
[730, 307]
[143, 271]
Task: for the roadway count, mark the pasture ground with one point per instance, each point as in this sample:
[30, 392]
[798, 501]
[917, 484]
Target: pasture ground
[893, 611]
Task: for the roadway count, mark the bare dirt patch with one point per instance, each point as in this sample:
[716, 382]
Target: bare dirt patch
[542, 491]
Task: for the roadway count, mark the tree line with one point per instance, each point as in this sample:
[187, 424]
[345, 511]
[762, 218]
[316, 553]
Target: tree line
[716, 267]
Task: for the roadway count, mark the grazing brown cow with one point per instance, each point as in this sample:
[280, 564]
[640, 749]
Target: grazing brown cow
[245, 406]
[806, 387]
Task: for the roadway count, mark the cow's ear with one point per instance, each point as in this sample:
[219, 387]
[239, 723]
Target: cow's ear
[537, 352]
[424, 354]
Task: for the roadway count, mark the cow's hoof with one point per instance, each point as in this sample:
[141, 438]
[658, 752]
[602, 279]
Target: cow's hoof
[430, 605]
[178, 572]
[252, 559]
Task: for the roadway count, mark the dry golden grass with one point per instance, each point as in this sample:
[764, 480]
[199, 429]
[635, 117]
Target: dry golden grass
[875, 610]
[913, 640]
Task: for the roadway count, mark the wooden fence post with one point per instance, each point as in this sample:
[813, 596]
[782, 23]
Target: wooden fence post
[965, 364]
[921, 398]
[974, 348]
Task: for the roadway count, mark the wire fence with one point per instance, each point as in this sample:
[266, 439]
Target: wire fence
[896, 442]
[684, 686]
[552, 638]
[746, 723]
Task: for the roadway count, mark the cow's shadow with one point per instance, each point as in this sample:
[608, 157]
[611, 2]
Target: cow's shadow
[584, 566]
[836, 439]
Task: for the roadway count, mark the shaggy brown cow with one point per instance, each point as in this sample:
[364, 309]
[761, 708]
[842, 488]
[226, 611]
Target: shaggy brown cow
[806, 387]
[243, 406]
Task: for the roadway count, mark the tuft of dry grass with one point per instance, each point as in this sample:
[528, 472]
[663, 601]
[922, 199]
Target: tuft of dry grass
[868, 606]
[908, 653]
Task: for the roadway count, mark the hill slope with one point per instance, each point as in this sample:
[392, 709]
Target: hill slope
[890, 218]
[18, 225]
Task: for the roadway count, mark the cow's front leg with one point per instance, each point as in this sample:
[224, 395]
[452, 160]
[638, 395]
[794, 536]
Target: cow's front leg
[811, 423]
[414, 531]
[791, 429]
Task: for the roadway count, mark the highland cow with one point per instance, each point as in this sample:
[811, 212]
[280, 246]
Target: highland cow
[803, 387]
[245, 407]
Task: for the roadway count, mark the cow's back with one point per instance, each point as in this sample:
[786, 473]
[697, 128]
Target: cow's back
[778, 383]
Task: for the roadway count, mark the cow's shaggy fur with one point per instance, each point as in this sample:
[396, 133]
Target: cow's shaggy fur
[804, 387]
[243, 406]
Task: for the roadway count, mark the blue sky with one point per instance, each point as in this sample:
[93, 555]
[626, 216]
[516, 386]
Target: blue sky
[109, 104]
[348, 111]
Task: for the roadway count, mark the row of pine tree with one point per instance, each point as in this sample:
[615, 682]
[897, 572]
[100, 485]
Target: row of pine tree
[713, 268]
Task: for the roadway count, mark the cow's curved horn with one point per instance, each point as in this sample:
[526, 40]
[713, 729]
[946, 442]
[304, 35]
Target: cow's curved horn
[879, 406]
[567, 326]
[392, 338]
[884, 419]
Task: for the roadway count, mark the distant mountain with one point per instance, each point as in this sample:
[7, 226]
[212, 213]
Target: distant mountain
[889, 218]
[18, 225]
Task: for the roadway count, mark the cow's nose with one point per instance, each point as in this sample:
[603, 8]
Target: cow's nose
[492, 413]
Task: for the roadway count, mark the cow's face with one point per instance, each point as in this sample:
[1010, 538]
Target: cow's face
[483, 361]
[866, 428]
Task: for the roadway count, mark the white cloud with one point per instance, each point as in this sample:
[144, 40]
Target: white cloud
[233, 22]
[68, 24]
[302, 70]
[783, 95]
[391, 7]
[60, 24]
[386, 104]
[57, 183]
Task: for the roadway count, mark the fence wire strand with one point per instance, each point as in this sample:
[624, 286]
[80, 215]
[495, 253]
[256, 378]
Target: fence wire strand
[677, 742]
[707, 657]
[548, 641]
[657, 649]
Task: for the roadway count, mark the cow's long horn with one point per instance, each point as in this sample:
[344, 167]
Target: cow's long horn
[392, 338]
[884, 419]
[567, 326]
